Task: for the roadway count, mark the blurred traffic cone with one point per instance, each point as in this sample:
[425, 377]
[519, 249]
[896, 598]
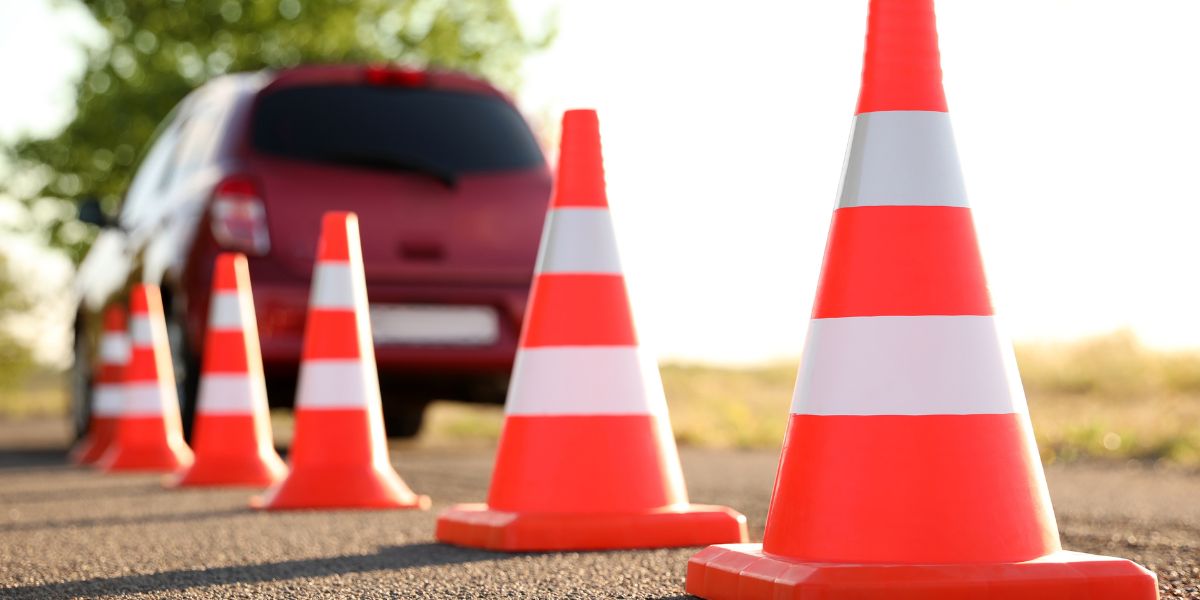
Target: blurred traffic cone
[339, 455]
[909, 468]
[232, 434]
[587, 459]
[107, 390]
[149, 436]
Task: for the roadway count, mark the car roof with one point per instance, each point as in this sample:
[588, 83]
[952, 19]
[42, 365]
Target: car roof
[252, 83]
[355, 74]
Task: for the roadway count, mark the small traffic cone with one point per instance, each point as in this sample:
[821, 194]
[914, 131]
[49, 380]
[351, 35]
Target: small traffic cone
[339, 455]
[107, 390]
[232, 434]
[909, 468]
[149, 435]
[586, 460]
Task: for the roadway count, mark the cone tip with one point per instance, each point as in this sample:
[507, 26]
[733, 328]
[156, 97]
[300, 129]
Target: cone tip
[142, 297]
[580, 117]
[580, 178]
[901, 66]
[335, 234]
[227, 276]
[114, 319]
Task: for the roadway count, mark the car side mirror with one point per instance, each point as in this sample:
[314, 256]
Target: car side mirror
[91, 213]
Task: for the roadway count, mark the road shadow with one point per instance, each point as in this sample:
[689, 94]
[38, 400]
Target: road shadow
[124, 520]
[73, 494]
[55, 458]
[386, 558]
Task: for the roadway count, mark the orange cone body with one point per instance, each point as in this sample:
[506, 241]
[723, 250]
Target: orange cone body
[232, 434]
[586, 459]
[149, 436]
[909, 468]
[339, 456]
[108, 389]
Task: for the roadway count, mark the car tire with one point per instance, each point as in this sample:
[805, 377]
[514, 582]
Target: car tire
[404, 419]
[81, 383]
[187, 371]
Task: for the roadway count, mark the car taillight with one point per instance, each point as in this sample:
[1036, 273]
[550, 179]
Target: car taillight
[399, 76]
[239, 219]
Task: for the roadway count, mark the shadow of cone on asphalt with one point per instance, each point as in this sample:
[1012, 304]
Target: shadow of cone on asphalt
[149, 436]
[232, 433]
[909, 468]
[586, 459]
[386, 558]
[339, 456]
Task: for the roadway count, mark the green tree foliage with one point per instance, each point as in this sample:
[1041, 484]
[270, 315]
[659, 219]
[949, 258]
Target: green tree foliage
[15, 357]
[159, 50]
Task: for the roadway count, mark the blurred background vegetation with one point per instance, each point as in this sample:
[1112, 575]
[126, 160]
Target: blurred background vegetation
[15, 356]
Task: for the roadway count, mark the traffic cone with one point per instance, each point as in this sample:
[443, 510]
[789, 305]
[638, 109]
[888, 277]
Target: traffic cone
[339, 456]
[149, 435]
[232, 433]
[909, 468]
[107, 390]
[586, 460]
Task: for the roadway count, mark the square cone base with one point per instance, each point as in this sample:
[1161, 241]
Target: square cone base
[743, 572]
[477, 526]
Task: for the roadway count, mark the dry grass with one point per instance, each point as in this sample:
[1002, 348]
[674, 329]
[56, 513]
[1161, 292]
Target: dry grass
[729, 407]
[42, 394]
[1106, 397]
[1110, 396]
[455, 423]
[1157, 428]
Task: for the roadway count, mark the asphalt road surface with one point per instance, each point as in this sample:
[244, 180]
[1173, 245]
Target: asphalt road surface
[67, 532]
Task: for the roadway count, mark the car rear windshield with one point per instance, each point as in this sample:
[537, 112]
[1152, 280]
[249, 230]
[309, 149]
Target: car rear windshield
[445, 133]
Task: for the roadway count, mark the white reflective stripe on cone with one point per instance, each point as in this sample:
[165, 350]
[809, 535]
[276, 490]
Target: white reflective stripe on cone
[336, 384]
[225, 312]
[585, 380]
[578, 240]
[229, 394]
[143, 400]
[926, 365]
[114, 348]
[107, 399]
[903, 158]
[333, 286]
[141, 333]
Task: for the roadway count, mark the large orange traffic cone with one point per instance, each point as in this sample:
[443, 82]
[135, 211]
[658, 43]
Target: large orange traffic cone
[586, 460]
[232, 434]
[909, 468]
[339, 455]
[149, 435]
[107, 390]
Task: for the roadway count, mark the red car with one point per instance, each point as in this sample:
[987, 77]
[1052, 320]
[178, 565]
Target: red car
[450, 187]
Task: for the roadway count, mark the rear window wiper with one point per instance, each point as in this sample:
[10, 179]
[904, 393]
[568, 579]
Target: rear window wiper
[399, 163]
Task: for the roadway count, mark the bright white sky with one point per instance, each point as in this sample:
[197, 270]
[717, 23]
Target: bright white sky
[725, 131]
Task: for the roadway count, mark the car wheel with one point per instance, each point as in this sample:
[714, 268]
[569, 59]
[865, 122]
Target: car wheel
[404, 419]
[187, 371]
[81, 384]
